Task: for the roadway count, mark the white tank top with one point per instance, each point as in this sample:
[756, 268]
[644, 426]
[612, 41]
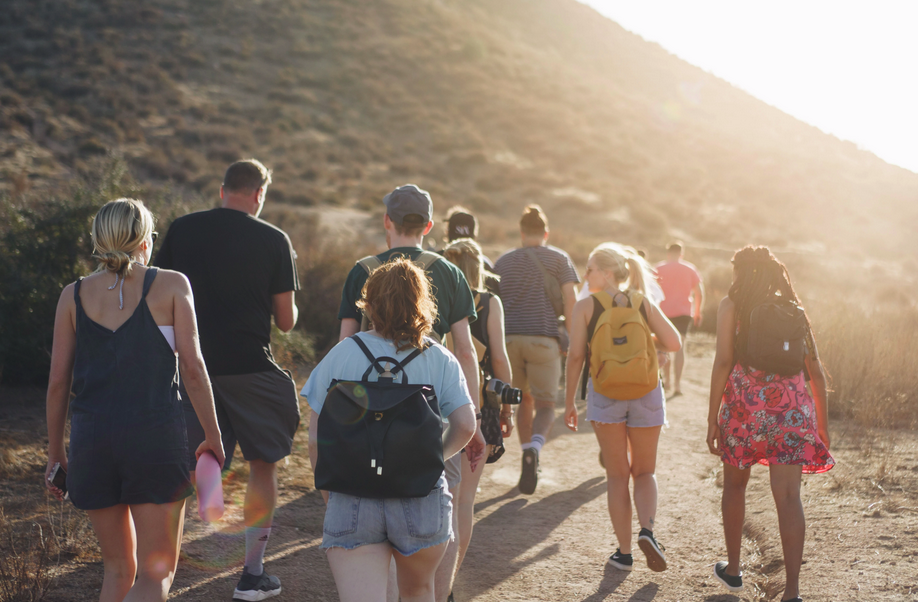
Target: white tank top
[169, 333]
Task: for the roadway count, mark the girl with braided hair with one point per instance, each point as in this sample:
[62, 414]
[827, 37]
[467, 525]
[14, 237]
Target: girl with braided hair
[761, 417]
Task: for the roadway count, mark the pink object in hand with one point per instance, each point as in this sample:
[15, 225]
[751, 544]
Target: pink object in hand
[210, 488]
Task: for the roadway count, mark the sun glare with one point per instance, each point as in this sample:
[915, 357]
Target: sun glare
[844, 67]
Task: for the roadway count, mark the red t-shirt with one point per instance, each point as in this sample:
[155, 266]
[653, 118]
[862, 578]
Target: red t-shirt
[677, 278]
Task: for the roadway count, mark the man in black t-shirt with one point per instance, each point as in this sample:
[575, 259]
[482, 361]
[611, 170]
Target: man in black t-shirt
[242, 272]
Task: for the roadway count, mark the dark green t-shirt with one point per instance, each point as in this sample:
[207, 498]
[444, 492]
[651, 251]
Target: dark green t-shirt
[454, 297]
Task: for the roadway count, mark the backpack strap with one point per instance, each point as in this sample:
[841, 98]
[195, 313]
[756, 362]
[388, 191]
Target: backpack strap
[427, 259]
[369, 263]
[375, 362]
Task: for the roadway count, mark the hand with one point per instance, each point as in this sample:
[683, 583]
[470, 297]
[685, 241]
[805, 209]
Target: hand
[57, 493]
[215, 446]
[662, 358]
[506, 423]
[570, 416]
[823, 435]
[697, 320]
[475, 449]
[714, 439]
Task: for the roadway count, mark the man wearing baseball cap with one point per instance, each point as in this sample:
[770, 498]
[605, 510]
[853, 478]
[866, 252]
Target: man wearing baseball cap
[409, 217]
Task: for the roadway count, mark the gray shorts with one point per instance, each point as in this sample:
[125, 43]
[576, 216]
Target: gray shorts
[646, 411]
[260, 411]
[453, 469]
[407, 524]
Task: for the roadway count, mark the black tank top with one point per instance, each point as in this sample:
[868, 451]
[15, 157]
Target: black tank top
[130, 372]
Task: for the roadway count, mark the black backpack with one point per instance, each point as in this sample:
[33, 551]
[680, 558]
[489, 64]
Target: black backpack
[776, 341]
[380, 439]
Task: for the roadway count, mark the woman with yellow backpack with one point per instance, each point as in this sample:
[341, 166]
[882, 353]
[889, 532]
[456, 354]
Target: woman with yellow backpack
[619, 330]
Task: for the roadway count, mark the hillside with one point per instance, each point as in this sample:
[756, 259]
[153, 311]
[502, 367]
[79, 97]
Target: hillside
[491, 103]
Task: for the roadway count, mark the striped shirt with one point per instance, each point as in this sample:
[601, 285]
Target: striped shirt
[522, 289]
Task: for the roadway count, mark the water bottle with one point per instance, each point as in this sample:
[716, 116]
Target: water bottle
[210, 488]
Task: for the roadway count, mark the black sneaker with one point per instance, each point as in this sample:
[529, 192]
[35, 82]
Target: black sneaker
[530, 475]
[732, 583]
[256, 587]
[450, 598]
[623, 562]
[653, 550]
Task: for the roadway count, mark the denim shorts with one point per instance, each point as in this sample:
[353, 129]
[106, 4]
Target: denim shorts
[646, 411]
[407, 524]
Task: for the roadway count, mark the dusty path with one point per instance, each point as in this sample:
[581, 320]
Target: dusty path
[553, 545]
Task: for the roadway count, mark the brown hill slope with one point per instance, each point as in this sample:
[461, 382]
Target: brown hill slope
[492, 103]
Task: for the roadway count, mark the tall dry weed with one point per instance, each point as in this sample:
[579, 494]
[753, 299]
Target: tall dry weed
[26, 559]
[873, 366]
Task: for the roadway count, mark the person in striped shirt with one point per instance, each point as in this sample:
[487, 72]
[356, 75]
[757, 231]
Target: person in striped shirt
[532, 332]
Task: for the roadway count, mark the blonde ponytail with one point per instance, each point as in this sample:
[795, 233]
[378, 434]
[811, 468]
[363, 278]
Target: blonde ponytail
[118, 230]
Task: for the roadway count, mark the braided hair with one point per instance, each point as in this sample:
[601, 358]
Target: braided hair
[759, 278]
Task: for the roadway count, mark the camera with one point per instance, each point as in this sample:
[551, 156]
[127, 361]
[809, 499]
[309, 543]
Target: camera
[498, 392]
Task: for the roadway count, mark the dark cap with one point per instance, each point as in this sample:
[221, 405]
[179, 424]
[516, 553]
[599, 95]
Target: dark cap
[409, 200]
[461, 225]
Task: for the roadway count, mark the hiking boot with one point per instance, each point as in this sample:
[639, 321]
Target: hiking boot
[731, 582]
[530, 475]
[623, 562]
[256, 587]
[653, 550]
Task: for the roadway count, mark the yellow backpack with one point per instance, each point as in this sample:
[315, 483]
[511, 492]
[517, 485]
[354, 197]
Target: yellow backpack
[623, 358]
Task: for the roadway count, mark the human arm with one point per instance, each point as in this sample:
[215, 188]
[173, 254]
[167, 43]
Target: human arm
[667, 336]
[349, 327]
[285, 310]
[193, 370]
[570, 299]
[314, 446]
[500, 363]
[60, 381]
[697, 303]
[460, 432]
[720, 372]
[576, 355]
[819, 389]
[468, 361]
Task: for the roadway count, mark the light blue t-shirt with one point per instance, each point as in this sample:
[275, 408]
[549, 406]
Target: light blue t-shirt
[436, 366]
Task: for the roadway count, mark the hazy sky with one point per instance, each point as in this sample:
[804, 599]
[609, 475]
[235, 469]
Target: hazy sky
[849, 67]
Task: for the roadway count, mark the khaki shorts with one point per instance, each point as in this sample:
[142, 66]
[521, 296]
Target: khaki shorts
[536, 365]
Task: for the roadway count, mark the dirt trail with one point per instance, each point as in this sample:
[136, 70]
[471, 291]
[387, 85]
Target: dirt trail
[553, 545]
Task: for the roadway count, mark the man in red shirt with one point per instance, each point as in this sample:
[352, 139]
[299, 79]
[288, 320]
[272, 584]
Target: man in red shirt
[684, 292]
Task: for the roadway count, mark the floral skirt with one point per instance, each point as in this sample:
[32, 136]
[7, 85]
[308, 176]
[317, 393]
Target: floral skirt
[770, 419]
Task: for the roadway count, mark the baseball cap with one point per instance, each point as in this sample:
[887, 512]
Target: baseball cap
[411, 202]
[461, 225]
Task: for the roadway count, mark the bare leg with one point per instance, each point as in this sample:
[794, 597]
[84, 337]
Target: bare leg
[260, 494]
[544, 418]
[643, 465]
[416, 573]
[785, 487]
[524, 417]
[360, 574]
[446, 571]
[679, 365]
[115, 531]
[465, 506]
[613, 442]
[159, 537]
[733, 508]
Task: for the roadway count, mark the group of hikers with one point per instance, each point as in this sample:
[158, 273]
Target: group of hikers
[441, 356]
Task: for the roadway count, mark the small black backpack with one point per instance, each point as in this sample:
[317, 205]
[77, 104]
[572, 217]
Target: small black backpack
[380, 439]
[776, 342]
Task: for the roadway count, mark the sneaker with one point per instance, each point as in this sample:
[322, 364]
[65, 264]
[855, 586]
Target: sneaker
[653, 550]
[530, 475]
[731, 582]
[450, 598]
[256, 587]
[623, 562]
